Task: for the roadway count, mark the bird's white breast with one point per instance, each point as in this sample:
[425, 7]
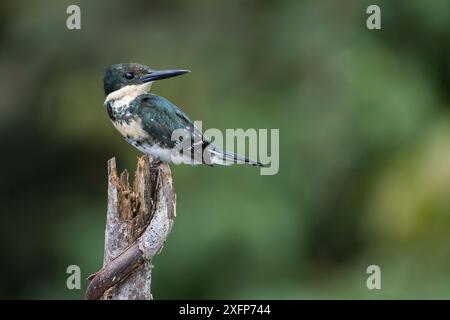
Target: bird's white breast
[119, 101]
[132, 128]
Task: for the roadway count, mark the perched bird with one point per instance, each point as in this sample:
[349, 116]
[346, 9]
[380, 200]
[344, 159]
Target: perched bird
[147, 121]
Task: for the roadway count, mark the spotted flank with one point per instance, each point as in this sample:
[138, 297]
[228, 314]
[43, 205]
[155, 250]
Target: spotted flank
[147, 121]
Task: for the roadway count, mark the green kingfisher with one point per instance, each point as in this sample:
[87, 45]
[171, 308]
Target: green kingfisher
[148, 121]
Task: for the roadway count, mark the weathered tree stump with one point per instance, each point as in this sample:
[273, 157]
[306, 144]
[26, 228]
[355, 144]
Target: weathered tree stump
[139, 219]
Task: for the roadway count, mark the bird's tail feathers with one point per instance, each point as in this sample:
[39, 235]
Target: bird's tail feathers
[225, 158]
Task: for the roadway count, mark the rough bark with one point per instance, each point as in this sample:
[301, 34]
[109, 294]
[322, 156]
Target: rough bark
[139, 219]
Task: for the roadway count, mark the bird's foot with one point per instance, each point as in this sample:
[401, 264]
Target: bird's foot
[156, 164]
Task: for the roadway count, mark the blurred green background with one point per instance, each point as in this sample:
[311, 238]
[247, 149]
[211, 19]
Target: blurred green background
[364, 119]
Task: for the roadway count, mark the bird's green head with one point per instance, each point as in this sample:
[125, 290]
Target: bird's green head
[121, 75]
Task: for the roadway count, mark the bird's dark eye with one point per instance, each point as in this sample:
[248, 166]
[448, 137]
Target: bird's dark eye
[129, 75]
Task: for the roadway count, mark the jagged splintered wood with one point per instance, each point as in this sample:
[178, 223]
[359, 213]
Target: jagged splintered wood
[139, 219]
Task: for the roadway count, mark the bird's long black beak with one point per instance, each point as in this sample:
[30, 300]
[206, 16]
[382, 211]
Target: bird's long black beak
[162, 74]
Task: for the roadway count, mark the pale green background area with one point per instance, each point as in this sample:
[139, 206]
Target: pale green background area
[364, 145]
